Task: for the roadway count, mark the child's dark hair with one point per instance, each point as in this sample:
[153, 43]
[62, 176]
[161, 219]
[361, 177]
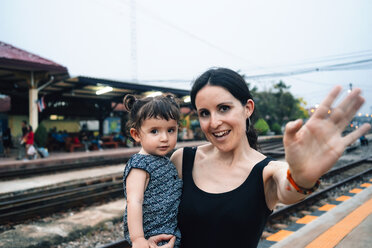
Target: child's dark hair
[163, 107]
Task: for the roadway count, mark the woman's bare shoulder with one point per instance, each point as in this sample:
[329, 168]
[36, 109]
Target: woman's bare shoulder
[204, 151]
[176, 159]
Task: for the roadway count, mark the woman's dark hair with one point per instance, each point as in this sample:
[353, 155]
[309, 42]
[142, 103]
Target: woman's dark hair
[232, 82]
[163, 107]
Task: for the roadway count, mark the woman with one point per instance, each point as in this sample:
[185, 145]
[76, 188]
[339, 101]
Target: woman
[229, 188]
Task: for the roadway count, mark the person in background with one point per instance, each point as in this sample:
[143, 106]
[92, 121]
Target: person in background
[96, 140]
[7, 142]
[22, 144]
[84, 138]
[151, 183]
[29, 141]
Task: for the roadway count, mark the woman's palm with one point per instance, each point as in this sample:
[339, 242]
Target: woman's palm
[312, 149]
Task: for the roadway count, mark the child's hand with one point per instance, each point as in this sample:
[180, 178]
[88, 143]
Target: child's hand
[162, 237]
[140, 242]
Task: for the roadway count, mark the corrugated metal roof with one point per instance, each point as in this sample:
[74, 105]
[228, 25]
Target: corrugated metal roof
[17, 58]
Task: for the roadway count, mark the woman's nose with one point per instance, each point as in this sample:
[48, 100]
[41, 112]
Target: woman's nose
[215, 121]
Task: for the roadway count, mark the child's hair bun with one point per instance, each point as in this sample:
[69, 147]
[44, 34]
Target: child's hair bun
[171, 97]
[128, 102]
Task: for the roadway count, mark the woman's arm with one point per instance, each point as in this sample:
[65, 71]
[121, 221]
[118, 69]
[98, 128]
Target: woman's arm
[136, 183]
[312, 149]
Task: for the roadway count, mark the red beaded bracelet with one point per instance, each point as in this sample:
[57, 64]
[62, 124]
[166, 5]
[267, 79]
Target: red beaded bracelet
[300, 189]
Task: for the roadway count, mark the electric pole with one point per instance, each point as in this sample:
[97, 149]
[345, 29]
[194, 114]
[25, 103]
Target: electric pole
[133, 39]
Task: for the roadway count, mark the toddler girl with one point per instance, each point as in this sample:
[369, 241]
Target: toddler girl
[151, 183]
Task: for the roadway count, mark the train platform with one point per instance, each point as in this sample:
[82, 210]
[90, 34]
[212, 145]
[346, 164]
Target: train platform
[346, 223]
[62, 157]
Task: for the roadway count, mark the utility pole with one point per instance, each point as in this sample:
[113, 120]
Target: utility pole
[133, 39]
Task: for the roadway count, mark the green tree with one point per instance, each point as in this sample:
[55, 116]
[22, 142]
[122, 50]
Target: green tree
[261, 127]
[41, 135]
[278, 105]
[276, 128]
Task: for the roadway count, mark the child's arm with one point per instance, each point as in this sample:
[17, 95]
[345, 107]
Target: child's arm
[136, 183]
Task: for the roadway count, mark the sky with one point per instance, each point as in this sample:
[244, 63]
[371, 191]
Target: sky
[170, 42]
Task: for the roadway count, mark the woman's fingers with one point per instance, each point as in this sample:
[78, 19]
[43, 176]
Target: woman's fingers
[291, 129]
[347, 108]
[351, 99]
[325, 106]
[344, 112]
[353, 136]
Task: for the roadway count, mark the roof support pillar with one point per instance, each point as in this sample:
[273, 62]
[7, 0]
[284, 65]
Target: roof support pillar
[32, 103]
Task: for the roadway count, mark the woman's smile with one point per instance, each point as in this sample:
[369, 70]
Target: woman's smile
[221, 133]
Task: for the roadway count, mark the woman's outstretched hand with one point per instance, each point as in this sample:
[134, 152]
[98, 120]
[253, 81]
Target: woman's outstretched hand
[312, 149]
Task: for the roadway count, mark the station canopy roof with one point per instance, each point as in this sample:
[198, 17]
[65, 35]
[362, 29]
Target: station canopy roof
[55, 84]
[87, 87]
[16, 66]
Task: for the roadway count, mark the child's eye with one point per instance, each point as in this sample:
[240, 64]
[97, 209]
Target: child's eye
[224, 108]
[171, 130]
[154, 131]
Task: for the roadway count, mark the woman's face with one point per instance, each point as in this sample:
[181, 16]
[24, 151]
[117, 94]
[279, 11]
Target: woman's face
[222, 117]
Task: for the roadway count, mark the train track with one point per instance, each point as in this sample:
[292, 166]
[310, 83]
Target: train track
[22, 206]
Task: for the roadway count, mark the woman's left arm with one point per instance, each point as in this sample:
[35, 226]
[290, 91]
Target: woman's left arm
[312, 149]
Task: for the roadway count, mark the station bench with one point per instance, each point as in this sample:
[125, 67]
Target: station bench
[108, 141]
[71, 146]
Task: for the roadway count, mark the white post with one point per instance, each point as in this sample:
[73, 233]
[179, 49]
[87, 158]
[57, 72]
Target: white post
[32, 102]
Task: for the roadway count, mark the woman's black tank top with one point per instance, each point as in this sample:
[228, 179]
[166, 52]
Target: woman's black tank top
[231, 219]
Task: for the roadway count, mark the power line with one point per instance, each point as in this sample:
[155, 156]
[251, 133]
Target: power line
[353, 65]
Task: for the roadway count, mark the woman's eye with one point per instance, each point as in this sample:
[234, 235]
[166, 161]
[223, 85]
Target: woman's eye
[203, 113]
[224, 108]
[154, 131]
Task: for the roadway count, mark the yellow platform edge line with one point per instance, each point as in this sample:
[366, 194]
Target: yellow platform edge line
[343, 198]
[282, 234]
[356, 191]
[306, 219]
[326, 207]
[335, 234]
[366, 185]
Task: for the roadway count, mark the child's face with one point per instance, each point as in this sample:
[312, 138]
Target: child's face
[157, 136]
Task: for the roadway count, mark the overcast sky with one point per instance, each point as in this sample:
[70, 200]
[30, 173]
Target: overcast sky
[177, 40]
